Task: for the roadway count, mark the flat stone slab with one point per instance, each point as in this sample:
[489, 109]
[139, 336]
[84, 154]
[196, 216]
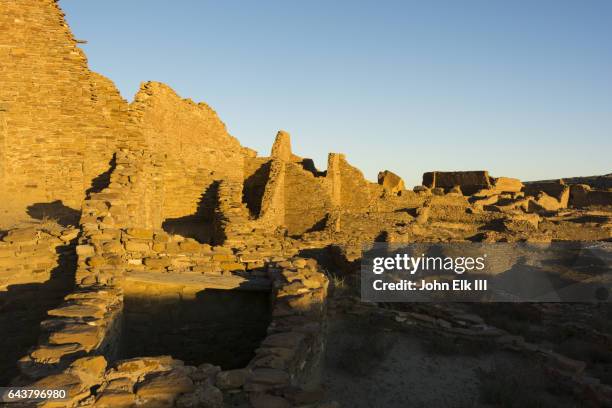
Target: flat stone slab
[202, 281]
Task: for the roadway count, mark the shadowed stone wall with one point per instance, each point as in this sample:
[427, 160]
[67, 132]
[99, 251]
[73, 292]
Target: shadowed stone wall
[197, 326]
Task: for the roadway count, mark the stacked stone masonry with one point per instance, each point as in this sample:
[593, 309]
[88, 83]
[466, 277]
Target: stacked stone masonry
[157, 192]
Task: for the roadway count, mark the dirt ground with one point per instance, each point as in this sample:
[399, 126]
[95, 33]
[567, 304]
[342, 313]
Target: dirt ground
[371, 363]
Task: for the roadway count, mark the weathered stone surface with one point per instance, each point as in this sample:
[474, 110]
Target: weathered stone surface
[90, 370]
[556, 189]
[113, 398]
[281, 149]
[174, 165]
[391, 182]
[507, 184]
[544, 203]
[138, 366]
[166, 383]
[77, 310]
[86, 335]
[53, 353]
[206, 396]
[269, 376]
[69, 382]
[231, 379]
[469, 181]
[581, 195]
[520, 222]
[140, 233]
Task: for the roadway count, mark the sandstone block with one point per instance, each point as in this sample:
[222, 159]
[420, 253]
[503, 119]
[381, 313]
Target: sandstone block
[159, 247]
[83, 334]
[85, 250]
[28, 234]
[140, 233]
[157, 263]
[232, 266]
[137, 366]
[113, 247]
[69, 382]
[544, 203]
[507, 184]
[270, 376]
[469, 181]
[206, 396]
[581, 195]
[96, 261]
[118, 399]
[391, 182]
[135, 246]
[557, 189]
[161, 237]
[89, 369]
[165, 383]
[190, 245]
[9, 262]
[53, 353]
[77, 311]
[231, 379]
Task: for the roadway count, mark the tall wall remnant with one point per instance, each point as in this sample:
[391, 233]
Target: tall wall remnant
[59, 122]
[64, 130]
[295, 195]
[196, 150]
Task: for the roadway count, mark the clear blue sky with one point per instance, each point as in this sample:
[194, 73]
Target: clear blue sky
[521, 88]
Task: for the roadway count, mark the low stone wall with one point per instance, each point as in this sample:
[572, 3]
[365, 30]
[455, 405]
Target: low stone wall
[558, 190]
[295, 339]
[28, 255]
[157, 251]
[87, 322]
[37, 266]
[288, 353]
[582, 195]
[469, 181]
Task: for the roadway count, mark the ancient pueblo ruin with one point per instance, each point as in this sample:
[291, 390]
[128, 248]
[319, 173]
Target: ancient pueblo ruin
[147, 258]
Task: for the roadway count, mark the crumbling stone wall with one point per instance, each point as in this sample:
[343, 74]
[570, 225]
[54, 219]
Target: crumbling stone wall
[37, 266]
[59, 122]
[273, 201]
[557, 189]
[256, 175]
[469, 181]
[306, 200]
[348, 187]
[28, 255]
[197, 150]
[581, 195]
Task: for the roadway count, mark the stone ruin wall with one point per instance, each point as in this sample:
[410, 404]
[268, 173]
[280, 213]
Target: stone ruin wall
[81, 336]
[285, 190]
[131, 189]
[195, 150]
[256, 175]
[306, 201]
[60, 123]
